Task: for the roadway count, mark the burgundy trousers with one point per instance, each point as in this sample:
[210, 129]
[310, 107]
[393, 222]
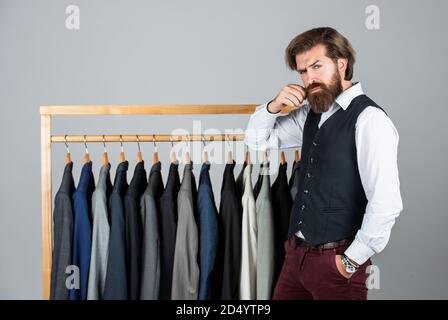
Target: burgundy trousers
[313, 275]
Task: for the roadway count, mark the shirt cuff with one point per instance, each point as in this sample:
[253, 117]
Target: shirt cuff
[266, 108]
[359, 252]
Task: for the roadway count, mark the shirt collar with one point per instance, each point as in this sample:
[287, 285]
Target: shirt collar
[346, 97]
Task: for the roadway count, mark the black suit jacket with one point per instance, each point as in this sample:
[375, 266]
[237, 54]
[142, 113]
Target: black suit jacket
[282, 203]
[134, 229]
[229, 244]
[168, 228]
[116, 286]
[63, 233]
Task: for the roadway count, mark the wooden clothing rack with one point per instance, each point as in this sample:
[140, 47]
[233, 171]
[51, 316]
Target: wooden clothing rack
[46, 113]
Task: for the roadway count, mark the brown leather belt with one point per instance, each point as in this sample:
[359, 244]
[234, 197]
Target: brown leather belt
[325, 246]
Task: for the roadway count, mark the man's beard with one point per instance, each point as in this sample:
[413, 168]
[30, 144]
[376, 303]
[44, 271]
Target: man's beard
[322, 100]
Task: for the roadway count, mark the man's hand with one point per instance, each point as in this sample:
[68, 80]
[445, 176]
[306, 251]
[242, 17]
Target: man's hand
[341, 267]
[292, 95]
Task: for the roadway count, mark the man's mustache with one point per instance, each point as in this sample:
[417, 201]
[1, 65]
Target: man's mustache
[313, 86]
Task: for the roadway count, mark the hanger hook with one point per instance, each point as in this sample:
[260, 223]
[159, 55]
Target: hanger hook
[203, 139]
[121, 142]
[104, 143]
[138, 143]
[85, 144]
[66, 145]
[187, 137]
[154, 142]
[228, 143]
[171, 140]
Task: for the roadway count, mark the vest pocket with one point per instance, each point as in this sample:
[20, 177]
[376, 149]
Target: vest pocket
[336, 219]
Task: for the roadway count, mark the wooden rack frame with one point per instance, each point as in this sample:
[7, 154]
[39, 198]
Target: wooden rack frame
[46, 113]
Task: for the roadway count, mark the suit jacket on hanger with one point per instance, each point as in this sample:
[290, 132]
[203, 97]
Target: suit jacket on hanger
[228, 262]
[100, 235]
[168, 227]
[62, 235]
[239, 184]
[265, 236]
[291, 178]
[82, 232]
[185, 268]
[208, 233]
[247, 287]
[149, 206]
[257, 186]
[134, 229]
[116, 286]
[282, 202]
[294, 180]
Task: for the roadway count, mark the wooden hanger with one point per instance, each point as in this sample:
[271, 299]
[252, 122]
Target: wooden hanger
[247, 159]
[86, 157]
[155, 156]
[139, 152]
[282, 157]
[68, 159]
[247, 156]
[187, 158]
[187, 154]
[122, 157]
[105, 158]
[264, 155]
[205, 153]
[172, 154]
[297, 155]
[229, 153]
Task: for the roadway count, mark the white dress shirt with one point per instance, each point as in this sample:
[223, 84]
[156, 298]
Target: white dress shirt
[376, 145]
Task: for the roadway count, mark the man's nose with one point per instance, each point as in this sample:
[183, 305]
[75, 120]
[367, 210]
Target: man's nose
[311, 81]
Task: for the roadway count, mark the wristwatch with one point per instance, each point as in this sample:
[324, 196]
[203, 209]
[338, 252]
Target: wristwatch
[348, 265]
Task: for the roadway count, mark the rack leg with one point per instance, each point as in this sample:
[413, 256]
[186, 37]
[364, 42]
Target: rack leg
[46, 203]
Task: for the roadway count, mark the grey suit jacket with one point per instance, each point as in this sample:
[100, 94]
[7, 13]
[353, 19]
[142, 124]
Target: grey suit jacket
[185, 268]
[63, 233]
[265, 236]
[100, 235]
[150, 286]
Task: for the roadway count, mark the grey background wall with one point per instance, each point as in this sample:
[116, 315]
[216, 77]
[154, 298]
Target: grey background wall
[148, 52]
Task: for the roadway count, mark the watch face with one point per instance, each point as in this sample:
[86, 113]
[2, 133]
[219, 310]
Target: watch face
[350, 269]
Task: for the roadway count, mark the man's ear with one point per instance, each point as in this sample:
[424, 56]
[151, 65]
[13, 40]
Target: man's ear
[342, 66]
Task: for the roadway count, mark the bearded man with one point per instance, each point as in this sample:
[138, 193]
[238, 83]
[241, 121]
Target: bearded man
[349, 190]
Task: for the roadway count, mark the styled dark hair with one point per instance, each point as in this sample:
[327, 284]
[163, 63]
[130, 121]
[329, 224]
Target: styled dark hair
[336, 44]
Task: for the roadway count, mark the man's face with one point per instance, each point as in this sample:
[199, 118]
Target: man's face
[321, 78]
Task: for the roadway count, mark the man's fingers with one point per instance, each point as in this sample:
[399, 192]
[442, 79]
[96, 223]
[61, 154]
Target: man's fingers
[287, 102]
[298, 95]
[298, 88]
[294, 98]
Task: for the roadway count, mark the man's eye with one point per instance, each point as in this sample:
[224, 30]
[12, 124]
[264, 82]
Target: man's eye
[316, 66]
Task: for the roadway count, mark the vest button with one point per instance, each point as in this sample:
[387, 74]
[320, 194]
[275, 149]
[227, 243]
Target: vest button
[300, 222]
[315, 144]
[303, 207]
[312, 160]
[306, 191]
[308, 175]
